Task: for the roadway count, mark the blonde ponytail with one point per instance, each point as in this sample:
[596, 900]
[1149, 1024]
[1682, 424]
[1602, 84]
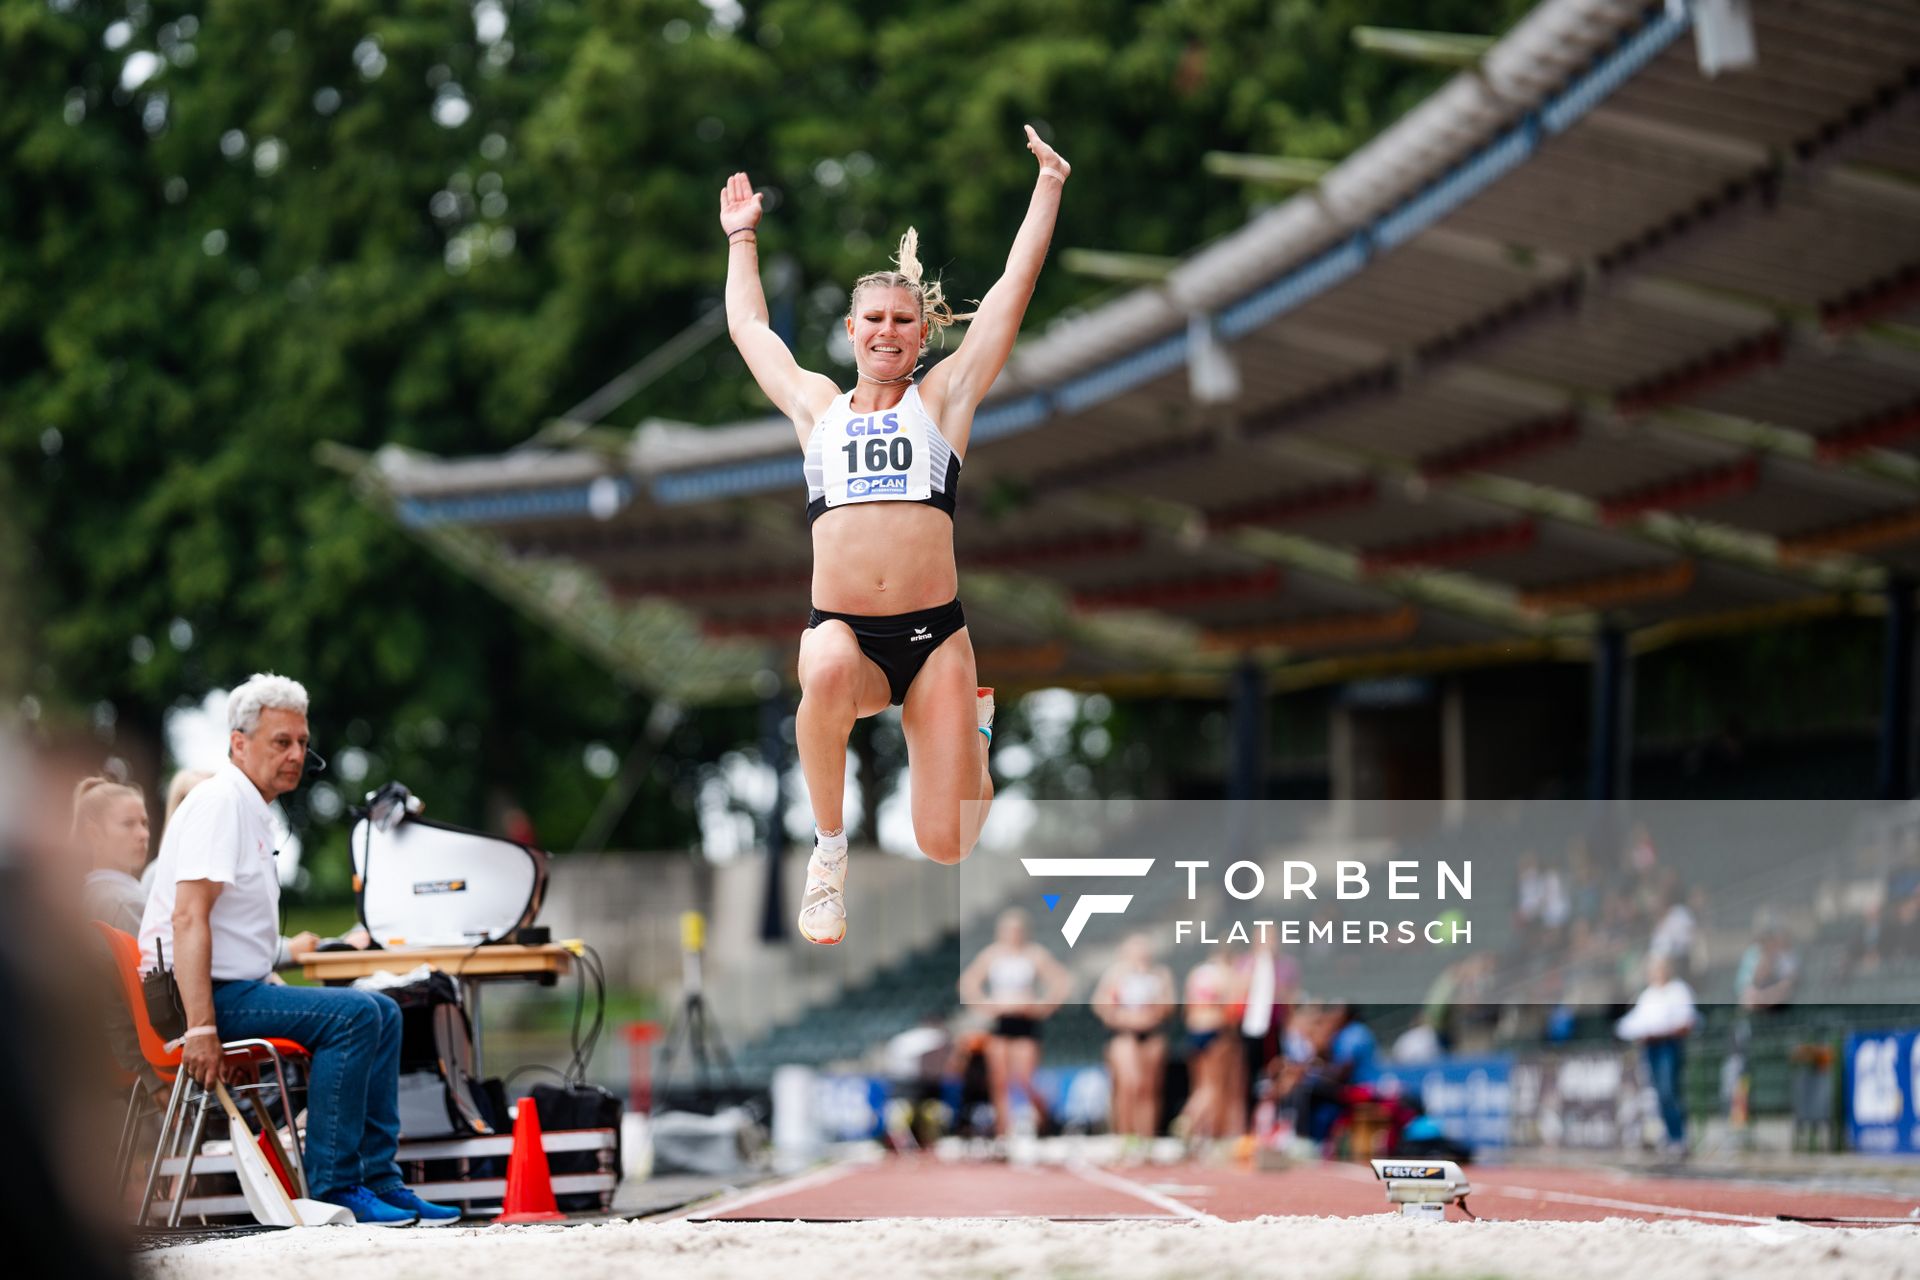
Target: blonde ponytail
[907, 257]
[92, 795]
[910, 274]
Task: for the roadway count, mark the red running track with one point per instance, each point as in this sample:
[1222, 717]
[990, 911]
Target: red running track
[924, 1187]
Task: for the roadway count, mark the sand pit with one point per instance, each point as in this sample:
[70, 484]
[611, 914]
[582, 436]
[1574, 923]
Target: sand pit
[1299, 1248]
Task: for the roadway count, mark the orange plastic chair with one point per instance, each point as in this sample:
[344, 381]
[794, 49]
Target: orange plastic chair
[270, 1052]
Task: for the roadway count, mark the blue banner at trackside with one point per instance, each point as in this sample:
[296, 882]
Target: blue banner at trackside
[851, 1108]
[1470, 1098]
[1883, 1092]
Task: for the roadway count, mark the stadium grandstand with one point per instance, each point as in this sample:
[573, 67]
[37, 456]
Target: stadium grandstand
[1612, 342]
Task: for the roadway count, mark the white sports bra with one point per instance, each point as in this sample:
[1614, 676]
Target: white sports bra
[1011, 974]
[895, 455]
[1138, 989]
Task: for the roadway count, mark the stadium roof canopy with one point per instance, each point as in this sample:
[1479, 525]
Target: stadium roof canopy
[1588, 339]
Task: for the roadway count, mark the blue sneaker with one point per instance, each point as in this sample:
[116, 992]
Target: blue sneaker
[368, 1209]
[401, 1197]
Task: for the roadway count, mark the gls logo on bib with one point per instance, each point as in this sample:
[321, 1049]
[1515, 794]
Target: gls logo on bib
[877, 424]
[883, 457]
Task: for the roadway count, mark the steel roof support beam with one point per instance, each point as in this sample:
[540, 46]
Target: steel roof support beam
[1328, 631]
[1277, 171]
[1108, 264]
[1426, 48]
[1685, 536]
[1392, 376]
[1847, 322]
[651, 645]
[774, 705]
[1183, 591]
[1247, 771]
[1611, 735]
[1489, 604]
[1610, 591]
[1896, 698]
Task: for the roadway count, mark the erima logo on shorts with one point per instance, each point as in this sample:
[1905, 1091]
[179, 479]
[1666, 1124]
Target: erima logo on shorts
[1093, 904]
[920, 633]
[878, 484]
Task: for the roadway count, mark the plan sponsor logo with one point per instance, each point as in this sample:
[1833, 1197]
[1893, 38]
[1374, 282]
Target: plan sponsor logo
[877, 484]
[1092, 904]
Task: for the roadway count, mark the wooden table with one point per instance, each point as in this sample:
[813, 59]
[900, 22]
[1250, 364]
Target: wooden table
[470, 966]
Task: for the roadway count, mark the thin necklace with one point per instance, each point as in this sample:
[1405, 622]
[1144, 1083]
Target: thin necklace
[887, 382]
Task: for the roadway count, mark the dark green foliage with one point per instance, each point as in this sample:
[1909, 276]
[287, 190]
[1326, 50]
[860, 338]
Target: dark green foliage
[357, 221]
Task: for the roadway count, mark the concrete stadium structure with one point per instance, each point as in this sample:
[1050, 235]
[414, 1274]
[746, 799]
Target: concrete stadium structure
[1590, 351]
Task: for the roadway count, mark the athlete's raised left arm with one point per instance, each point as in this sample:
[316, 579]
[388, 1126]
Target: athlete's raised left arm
[965, 377]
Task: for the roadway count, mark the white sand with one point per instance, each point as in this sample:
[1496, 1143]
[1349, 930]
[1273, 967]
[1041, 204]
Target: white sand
[1296, 1248]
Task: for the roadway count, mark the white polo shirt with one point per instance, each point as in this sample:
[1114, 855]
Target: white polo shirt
[222, 831]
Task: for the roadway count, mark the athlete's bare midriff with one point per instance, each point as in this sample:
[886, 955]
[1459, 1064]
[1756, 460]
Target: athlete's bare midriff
[879, 558]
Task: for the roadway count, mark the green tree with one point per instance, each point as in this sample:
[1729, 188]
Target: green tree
[232, 231]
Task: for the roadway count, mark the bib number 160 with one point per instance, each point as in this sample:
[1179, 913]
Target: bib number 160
[882, 455]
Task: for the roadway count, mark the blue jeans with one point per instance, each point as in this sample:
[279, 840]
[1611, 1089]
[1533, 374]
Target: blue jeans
[353, 1087]
[1664, 1061]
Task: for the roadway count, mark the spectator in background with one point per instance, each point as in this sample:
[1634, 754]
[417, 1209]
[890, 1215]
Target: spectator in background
[110, 831]
[184, 781]
[916, 1062]
[1418, 1045]
[1768, 968]
[1900, 916]
[1213, 1048]
[1585, 886]
[300, 943]
[1641, 855]
[1529, 894]
[1134, 997]
[178, 786]
[1343, 1052]
[1660, 1021]
[1676, 930]
[1268, 982]
[1459, 1004]
[60, 1206]
[1556, 907]
[214, 916]
[1021, 985]
[973, 1115]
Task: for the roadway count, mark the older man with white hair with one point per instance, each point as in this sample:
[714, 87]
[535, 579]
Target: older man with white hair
[215, 913]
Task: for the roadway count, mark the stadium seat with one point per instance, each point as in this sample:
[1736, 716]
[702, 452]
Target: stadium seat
[271, 1052]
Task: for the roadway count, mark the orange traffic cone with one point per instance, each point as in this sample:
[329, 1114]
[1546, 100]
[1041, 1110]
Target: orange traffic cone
[529, 1185]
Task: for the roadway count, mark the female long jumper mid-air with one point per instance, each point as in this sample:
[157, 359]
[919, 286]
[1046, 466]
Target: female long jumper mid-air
[882, 466]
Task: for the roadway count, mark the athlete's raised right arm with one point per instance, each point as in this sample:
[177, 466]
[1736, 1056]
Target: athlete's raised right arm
[801, 395]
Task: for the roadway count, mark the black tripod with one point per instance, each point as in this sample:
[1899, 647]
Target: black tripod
[690, 1027]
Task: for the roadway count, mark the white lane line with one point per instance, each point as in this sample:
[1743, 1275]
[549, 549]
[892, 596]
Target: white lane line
[1164, 1203]
[759, 1195]
[1603, 1202]
[1351, 1172]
